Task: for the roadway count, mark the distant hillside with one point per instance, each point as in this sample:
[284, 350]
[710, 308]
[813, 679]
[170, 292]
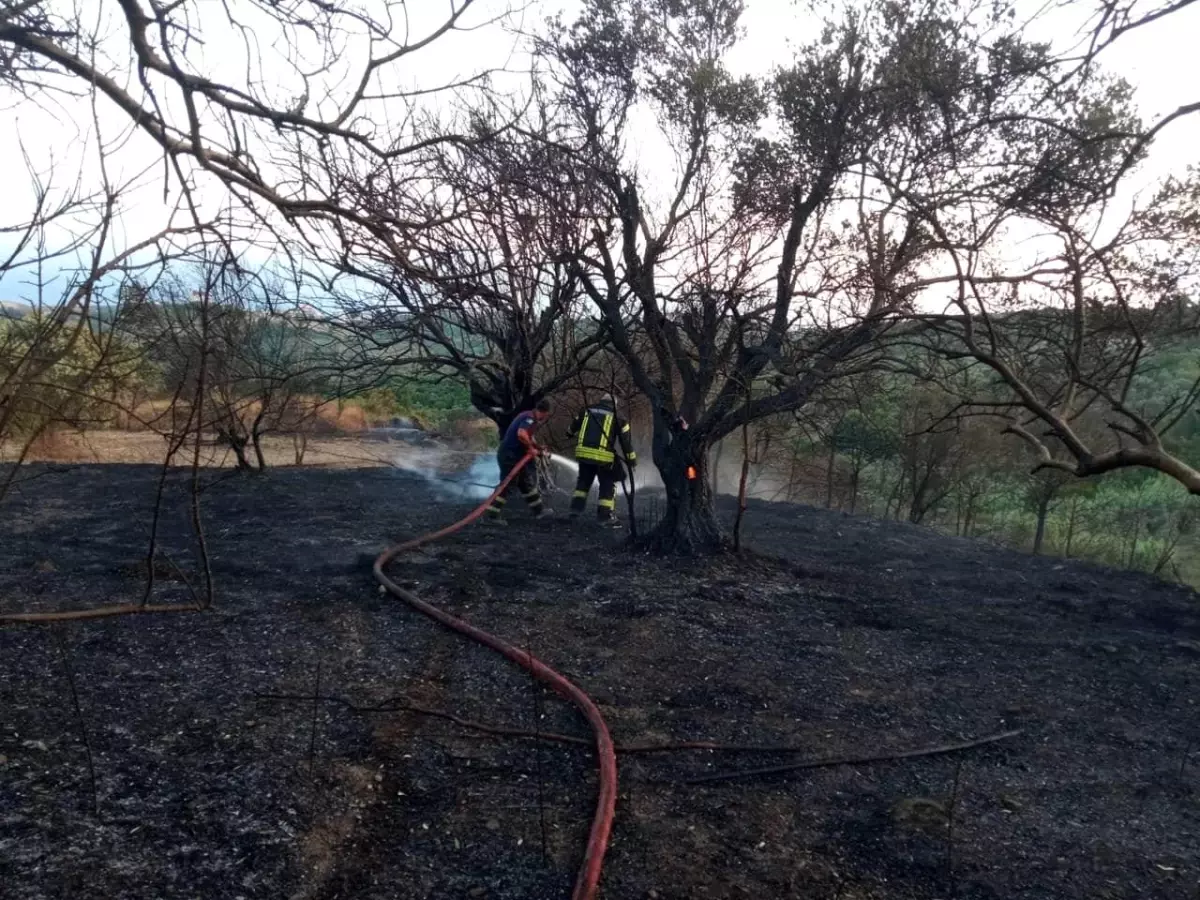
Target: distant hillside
[13, 309]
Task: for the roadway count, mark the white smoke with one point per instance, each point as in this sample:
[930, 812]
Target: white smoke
[455, 476]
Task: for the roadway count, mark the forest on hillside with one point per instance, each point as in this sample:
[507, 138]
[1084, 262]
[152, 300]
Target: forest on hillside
[888, 445]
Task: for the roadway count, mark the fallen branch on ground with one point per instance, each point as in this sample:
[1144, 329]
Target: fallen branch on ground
[98, 612]
[850, 760]
[397, 704]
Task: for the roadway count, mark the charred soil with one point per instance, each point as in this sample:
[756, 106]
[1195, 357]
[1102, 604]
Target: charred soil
[217, 775]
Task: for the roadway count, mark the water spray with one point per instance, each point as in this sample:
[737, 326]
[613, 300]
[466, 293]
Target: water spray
[564, 461]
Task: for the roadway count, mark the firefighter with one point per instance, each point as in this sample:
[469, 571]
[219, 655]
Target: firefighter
[518, 440]
[596, 431]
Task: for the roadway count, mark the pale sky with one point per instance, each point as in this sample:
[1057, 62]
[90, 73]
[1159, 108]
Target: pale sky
[1158, 60]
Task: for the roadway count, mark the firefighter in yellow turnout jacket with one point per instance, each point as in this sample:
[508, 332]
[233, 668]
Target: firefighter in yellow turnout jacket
[596, 432]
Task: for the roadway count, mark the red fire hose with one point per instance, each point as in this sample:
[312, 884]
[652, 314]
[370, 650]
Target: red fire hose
[588, 880]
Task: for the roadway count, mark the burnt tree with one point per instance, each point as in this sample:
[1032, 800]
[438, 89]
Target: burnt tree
[773, 266]
[483, 290]
[294, 84]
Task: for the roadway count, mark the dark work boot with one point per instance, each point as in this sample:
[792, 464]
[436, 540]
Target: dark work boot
[578, 502]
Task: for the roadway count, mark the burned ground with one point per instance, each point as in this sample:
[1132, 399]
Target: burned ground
[844, 636]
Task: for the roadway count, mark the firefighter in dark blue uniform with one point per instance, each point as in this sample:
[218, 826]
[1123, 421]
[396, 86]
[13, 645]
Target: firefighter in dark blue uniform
[518, 441]
[596, 432]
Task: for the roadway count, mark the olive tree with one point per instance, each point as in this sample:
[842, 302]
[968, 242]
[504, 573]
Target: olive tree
[792, 238]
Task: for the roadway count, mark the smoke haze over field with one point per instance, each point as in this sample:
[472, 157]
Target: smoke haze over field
[456, 476]
[459, 476]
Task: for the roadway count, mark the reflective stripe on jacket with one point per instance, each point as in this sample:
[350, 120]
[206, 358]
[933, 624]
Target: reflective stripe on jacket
[594, 430]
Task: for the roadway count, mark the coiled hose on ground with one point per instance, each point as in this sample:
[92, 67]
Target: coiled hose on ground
[588, 879]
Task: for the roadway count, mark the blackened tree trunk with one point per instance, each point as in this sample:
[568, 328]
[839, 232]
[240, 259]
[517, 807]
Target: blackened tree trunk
[855, 479]
[1043, 495]
[502, 420]
[237, 443]
[503, 399]
[690, 526]
[918, 506]
[741, 495]
[256, 437]
[259, 456]
[830, 474]
[1039, 534]
[969, 516]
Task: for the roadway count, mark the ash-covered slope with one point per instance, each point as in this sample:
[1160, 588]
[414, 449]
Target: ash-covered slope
[868, 637]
